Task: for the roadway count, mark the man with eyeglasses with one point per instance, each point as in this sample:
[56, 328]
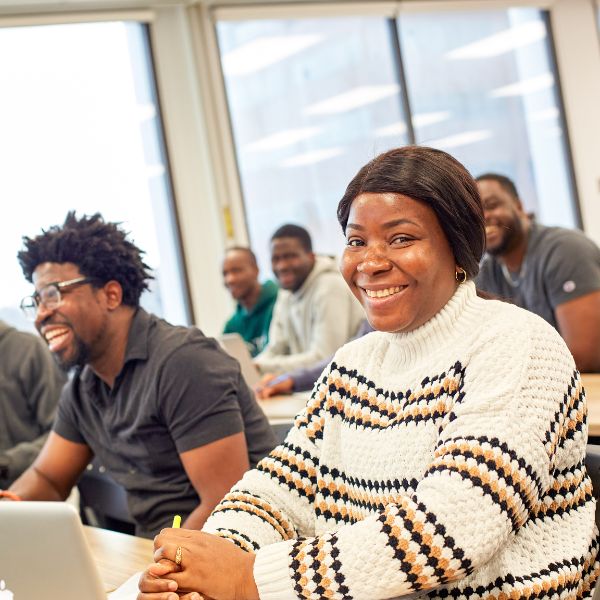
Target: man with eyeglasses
[163, 408]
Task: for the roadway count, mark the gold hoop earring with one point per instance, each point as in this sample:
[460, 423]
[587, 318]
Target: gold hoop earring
[460, 275]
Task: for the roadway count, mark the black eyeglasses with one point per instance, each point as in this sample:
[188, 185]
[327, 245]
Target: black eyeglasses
[49, 296]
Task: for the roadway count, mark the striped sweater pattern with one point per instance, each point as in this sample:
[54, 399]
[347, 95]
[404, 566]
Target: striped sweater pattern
[447, 462]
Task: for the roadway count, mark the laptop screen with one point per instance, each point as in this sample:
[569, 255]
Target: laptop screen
[44, 554]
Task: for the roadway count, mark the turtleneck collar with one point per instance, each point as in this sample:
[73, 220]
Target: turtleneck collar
[447, 327]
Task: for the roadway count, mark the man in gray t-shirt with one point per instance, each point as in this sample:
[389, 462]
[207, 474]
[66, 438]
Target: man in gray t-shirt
[551, 271]
[164, 409]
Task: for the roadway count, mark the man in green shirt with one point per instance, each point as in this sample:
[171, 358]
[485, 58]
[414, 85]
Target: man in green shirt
[252, 317]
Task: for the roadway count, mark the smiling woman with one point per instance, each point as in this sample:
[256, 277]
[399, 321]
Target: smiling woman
[440, 455]
[399, 261]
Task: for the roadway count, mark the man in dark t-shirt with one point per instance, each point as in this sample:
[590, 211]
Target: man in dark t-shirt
[551, 271]
[164, 409]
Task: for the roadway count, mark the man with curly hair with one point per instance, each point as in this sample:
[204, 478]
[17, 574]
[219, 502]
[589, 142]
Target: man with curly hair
[163, 408]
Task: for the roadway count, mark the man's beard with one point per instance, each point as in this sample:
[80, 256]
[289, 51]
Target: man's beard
[79, 358]
[512, 234]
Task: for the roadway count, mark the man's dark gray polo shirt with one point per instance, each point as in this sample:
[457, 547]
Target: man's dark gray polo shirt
[560, 265]
[178, 390]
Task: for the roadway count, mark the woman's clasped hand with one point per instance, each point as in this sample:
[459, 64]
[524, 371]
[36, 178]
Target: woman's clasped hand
[211, 568]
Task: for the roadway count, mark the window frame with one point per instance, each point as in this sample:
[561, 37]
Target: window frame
[584, 176]
[145, 18]
[196, 124]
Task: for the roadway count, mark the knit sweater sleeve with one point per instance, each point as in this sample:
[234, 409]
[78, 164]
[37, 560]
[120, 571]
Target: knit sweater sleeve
[274, 501]
[490, 466]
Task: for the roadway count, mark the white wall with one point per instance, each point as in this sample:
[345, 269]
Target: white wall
[193, 165]
[574, 23]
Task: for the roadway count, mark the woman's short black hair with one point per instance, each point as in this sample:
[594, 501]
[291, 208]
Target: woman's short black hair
[436, 178]
[99, 249]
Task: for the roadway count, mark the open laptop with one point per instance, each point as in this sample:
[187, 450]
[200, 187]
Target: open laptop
[235, 346]
[44, 554]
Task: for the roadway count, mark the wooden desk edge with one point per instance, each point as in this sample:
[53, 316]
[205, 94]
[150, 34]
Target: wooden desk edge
[117, 555]
[591, 385]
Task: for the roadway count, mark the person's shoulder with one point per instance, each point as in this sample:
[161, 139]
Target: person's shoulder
[508, 324]
[325, 266]
[24, 337]
[518, 337]
[23, 343]
[270, 289]
[552, 238]
[234, 323]
[165, 340]
[330, 280]
[501, 313]
[268, 296]
[328, 277]
[283, 300]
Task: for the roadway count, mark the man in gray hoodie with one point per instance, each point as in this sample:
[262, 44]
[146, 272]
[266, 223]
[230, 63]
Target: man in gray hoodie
[315, 312]
[30, 385]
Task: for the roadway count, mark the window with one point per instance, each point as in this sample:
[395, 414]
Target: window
[81, 131]
[305, 98]
[312, 100]
[494, 86]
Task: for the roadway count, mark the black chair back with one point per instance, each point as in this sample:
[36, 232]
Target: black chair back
[102, 501]
[281, 430]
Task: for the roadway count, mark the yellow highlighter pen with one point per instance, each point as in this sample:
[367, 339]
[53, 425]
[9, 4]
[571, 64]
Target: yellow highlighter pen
[176, 522]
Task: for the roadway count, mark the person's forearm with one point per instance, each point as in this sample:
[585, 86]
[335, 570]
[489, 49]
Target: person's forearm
[32, 485]
[290, 362]
[304, 379]
[250, 591]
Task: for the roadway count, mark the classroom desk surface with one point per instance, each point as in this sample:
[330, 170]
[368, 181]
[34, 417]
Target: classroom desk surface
[283, 409]
[118, 556]
[591, 384]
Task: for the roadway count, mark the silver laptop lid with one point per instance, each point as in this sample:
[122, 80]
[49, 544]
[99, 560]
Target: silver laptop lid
[44, 554]
[235, 346]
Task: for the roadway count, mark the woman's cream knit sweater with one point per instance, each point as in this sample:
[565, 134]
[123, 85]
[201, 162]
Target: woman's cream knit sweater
[444, 462]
